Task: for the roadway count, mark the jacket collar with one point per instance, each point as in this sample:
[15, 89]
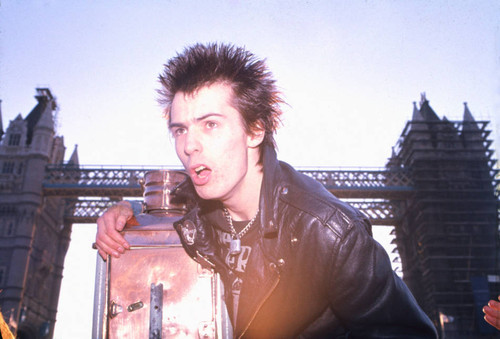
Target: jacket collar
[212, 210]
[268, 192]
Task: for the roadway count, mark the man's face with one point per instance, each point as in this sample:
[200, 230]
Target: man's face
[212, 144]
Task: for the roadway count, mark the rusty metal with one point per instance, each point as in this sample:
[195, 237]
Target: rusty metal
[156, 311]
[158, 189]
[155, 290]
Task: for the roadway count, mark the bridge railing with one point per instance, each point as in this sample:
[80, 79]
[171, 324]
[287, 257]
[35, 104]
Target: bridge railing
[363, 183]
[123, 181]
[111, 183]
[87, 211]
[63, 180]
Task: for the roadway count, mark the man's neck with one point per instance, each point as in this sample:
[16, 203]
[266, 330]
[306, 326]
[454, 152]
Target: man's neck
[245, 205]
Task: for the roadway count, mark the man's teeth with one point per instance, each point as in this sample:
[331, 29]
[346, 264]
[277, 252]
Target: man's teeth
[199, 169]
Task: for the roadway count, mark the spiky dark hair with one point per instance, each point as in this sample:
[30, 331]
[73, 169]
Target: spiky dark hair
[255, 94]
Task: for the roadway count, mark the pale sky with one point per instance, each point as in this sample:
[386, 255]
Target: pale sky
[349, 71]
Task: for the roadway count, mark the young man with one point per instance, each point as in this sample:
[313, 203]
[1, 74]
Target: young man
[295, 261]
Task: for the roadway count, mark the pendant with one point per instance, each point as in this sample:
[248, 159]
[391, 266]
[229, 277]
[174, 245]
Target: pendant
[235, 246]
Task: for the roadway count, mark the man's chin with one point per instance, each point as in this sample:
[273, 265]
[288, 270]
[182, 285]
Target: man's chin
[204, 193]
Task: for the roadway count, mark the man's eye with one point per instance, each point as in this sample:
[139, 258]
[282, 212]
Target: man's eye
[211, 124]
[178, 131]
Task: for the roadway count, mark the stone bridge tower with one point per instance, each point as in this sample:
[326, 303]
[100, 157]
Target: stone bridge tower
[448, 236]
[33, 236]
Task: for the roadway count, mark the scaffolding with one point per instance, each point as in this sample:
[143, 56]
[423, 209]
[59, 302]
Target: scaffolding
[448, 236]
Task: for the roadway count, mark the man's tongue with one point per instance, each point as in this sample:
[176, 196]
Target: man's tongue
[201, 175]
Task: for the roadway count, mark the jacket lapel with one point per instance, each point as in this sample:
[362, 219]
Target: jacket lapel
[261, 277]
[262, 273]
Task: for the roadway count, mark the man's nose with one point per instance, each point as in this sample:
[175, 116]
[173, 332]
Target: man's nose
[192, 143]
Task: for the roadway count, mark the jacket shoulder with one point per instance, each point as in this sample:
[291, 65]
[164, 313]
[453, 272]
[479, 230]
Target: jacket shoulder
[311, 197]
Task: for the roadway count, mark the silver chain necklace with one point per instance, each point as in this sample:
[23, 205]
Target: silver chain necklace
[235, 246]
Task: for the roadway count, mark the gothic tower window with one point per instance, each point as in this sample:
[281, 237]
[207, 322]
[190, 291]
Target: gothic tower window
[14, 139]
[2, 275]
[8, 167]
[10, 228]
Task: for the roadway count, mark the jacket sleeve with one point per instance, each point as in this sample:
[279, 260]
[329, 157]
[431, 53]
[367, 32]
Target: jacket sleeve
[365, 293]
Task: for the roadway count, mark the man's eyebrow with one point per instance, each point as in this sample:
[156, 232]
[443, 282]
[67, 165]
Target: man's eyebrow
[174, 124]
[203, 117]
[209, 115]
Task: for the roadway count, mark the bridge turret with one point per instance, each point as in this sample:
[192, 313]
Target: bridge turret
[73, 160]
[450, 226]
[471, 133]
[41, 127]
[33, 236]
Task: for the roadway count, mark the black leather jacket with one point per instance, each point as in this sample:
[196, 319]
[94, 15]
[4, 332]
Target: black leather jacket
[316, 271]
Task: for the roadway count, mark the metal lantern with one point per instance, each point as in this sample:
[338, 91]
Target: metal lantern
[155, 290]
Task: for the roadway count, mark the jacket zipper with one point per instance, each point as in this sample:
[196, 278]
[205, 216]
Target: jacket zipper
[260, 305]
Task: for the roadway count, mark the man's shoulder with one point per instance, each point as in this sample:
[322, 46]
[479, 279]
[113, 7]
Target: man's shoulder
[311, 197]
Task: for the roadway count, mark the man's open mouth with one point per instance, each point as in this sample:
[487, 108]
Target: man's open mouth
[202, 171]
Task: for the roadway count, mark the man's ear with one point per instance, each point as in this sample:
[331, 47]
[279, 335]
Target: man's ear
[256, 136]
